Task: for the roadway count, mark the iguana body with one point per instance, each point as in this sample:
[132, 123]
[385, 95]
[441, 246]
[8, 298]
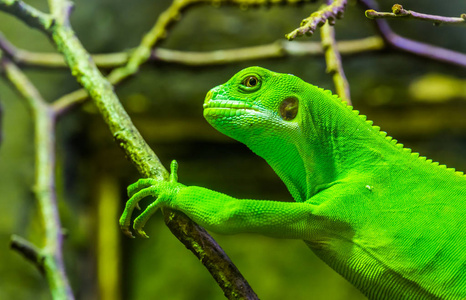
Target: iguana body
[392, 223]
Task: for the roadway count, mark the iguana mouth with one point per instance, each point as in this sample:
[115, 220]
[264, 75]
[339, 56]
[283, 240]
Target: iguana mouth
[229, 105]
[215, 108]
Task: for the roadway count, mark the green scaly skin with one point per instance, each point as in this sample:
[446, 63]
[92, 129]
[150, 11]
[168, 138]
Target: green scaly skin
[392, 223]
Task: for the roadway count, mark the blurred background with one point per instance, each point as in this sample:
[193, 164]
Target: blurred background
[419, 102]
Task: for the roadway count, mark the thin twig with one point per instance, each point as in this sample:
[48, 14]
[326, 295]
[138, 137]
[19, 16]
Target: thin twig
[317, 19]
[51, 255]
[277, 49]
[334, 65]
[30, 251]
[397, 42]
[27, 14]
[399, 12]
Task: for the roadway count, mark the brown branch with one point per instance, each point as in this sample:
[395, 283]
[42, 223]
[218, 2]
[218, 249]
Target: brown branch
[399, 43]
[317, 19]
[399, 12]
[210, 254]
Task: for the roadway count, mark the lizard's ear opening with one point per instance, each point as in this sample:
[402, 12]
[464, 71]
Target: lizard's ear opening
[289, 108]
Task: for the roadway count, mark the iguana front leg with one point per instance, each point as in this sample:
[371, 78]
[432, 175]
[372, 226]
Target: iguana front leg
[218, 212]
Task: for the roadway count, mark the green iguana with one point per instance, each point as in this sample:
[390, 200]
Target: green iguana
[389, 221]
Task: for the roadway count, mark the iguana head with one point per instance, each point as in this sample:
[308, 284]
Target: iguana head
[255, 104]
[264, 110]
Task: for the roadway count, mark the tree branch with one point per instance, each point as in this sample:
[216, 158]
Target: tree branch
[334, 65]
[27, 14]
[319, 18]
[50, 257]
[210, 254]
[28, 250]
[399, 12]
[277, 49]
[397, 42]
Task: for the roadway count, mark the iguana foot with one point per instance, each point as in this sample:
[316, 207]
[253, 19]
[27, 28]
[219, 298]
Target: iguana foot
[163, 191]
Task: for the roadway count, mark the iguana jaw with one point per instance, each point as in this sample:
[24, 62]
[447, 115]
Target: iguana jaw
[220, 109]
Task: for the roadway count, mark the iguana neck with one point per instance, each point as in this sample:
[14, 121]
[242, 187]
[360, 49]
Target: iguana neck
[285, 159]
[331, 140]
[306, 159]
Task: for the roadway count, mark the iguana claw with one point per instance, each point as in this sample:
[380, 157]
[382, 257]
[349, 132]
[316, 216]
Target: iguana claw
[128, 233]
[138, 191]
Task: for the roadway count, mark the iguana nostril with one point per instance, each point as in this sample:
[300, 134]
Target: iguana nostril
[208, 96]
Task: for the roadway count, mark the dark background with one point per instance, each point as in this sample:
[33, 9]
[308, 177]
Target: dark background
[419, 102]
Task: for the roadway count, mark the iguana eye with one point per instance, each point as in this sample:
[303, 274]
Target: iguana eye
[289, 108]
[250, 81]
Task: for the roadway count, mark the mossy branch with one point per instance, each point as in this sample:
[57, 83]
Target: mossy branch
[334, 64]
[27, 14]
[30, 251]
[328, 13]
[48, 258]
[277, 49]
[399, 12]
